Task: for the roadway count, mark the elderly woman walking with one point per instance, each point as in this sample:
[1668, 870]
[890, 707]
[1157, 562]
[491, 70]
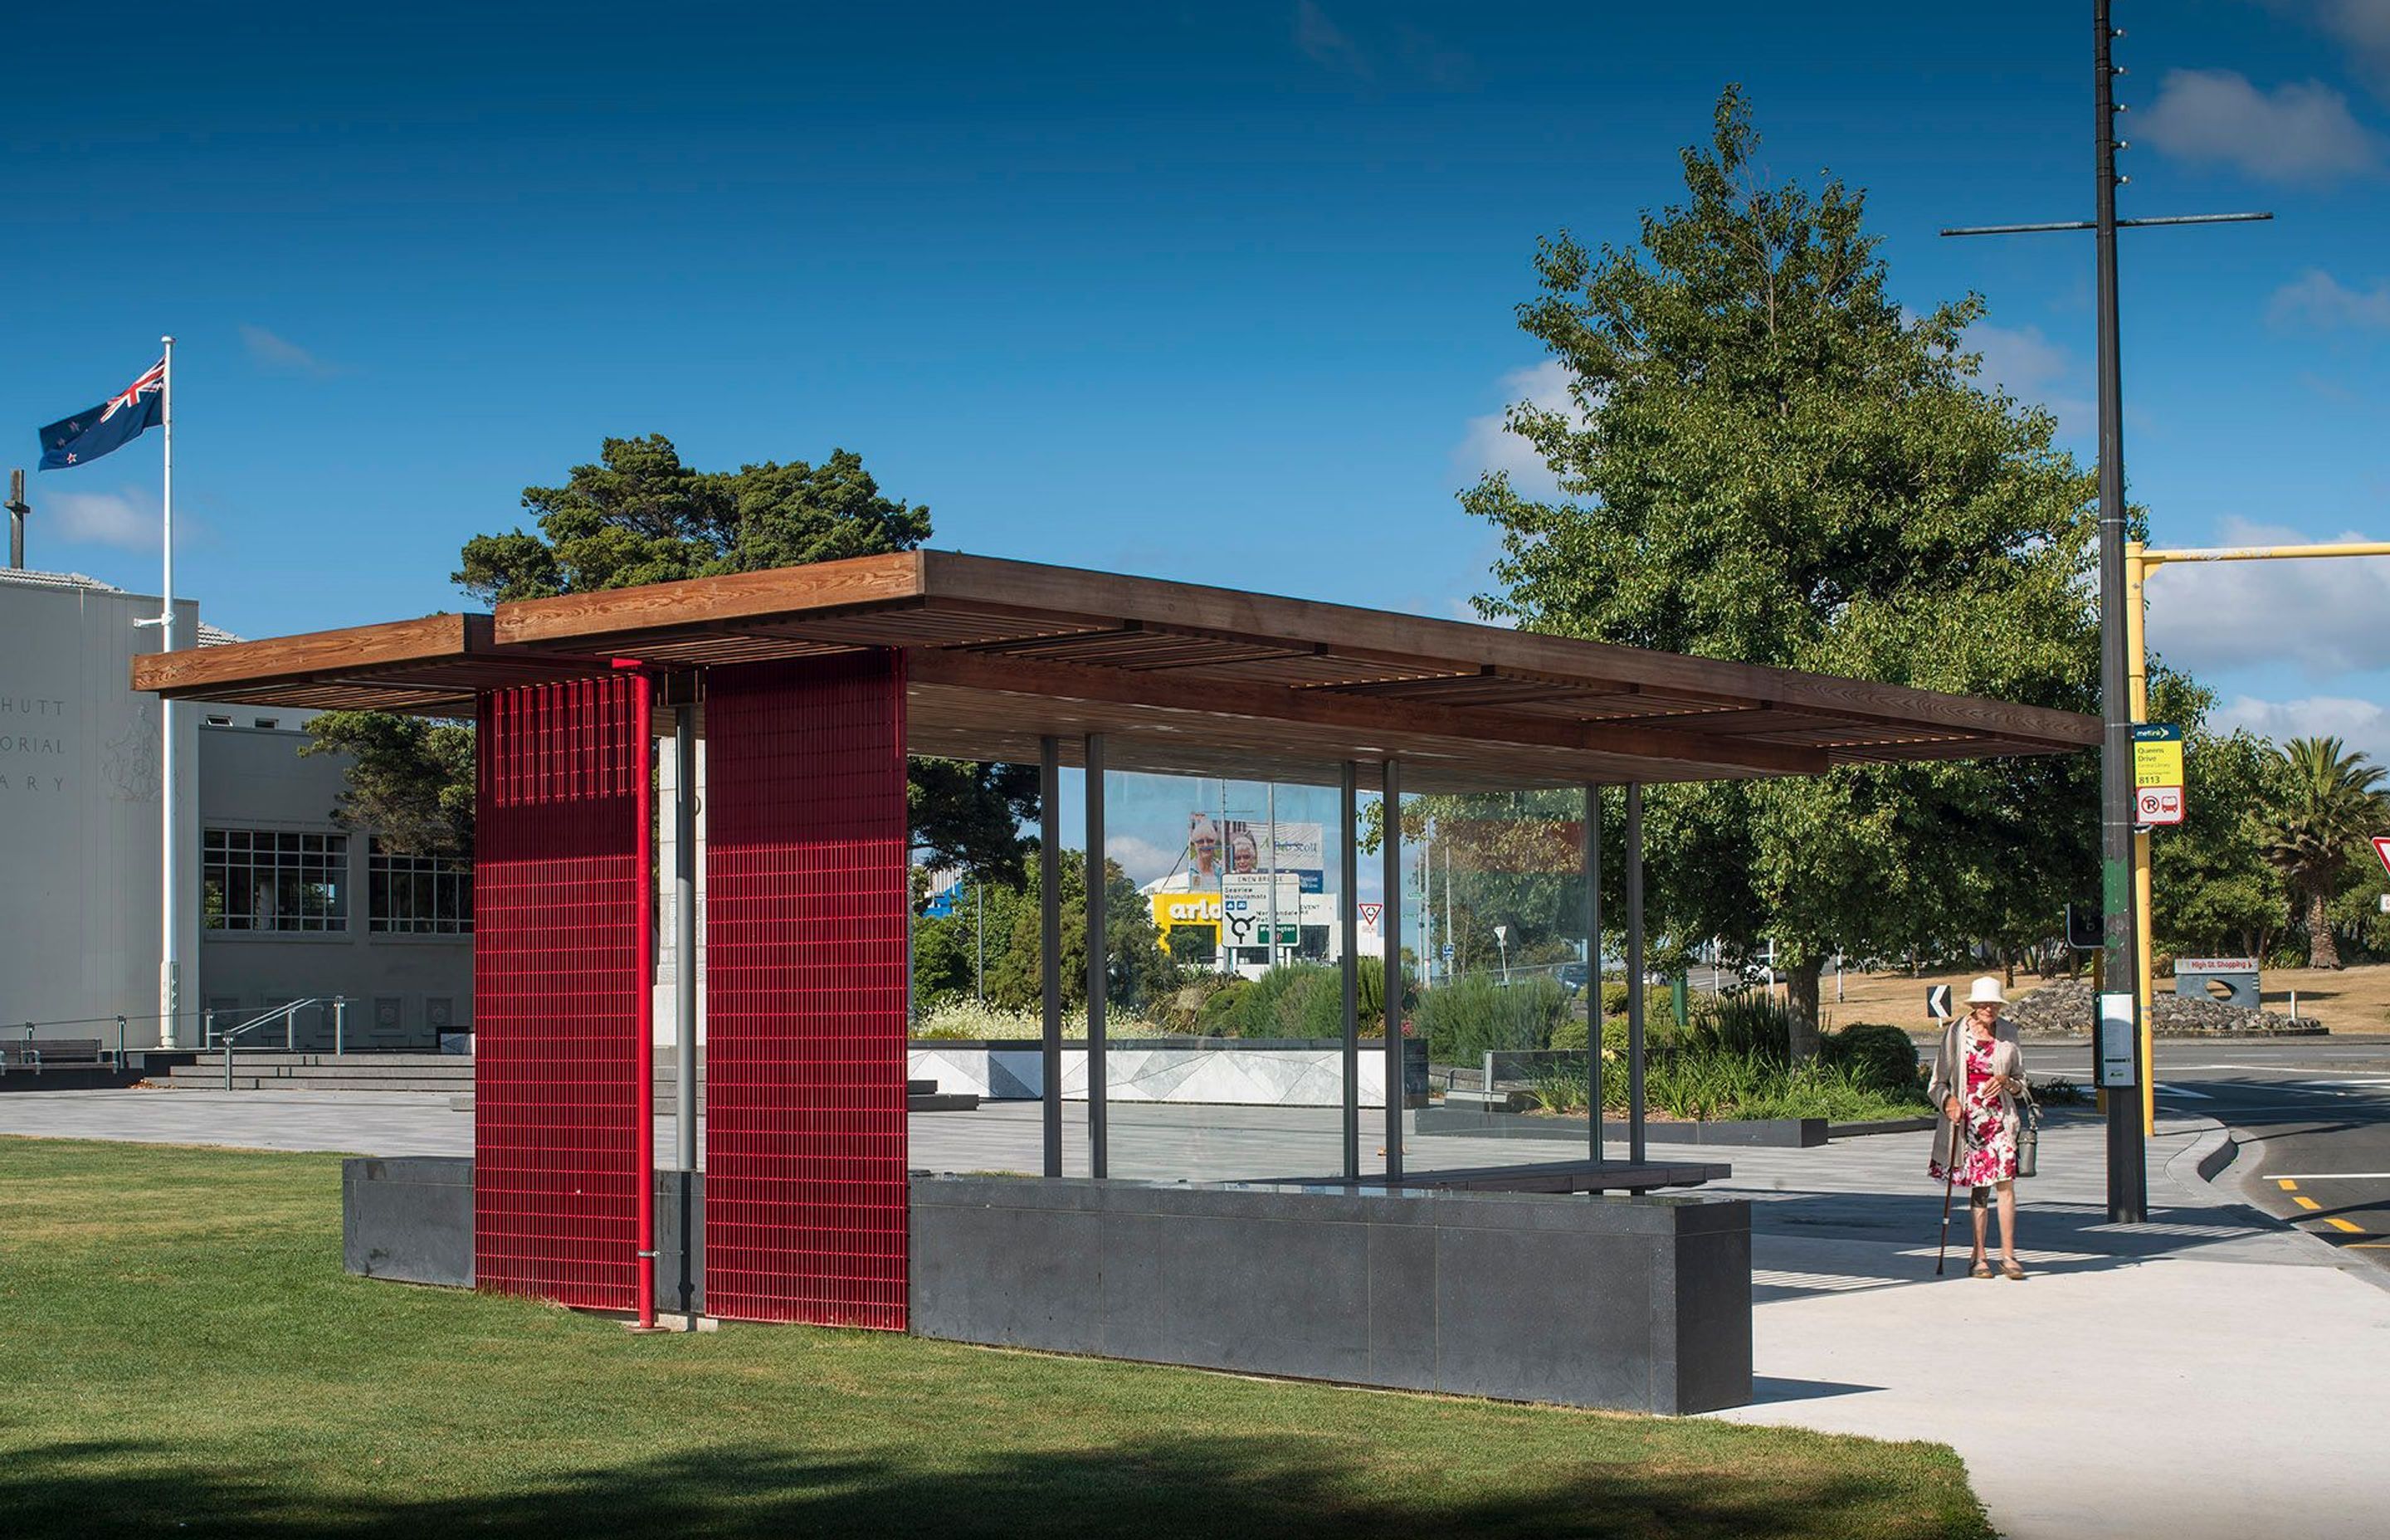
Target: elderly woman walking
[1978, 1081]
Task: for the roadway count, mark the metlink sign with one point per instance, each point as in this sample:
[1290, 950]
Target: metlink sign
[2157, 772]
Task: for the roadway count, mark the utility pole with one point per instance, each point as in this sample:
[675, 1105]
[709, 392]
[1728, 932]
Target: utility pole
[17, 509]
[2119, 1013]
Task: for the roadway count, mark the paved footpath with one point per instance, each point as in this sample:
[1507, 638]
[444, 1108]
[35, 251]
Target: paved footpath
[2213, 1374]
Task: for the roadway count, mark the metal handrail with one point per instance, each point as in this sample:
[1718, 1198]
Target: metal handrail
[33, 1052]
[287, 1015]
[209, 1037]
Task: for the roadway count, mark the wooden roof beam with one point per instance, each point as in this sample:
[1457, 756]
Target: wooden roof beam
[1347, 630]
[1393, 720]
[348, 652]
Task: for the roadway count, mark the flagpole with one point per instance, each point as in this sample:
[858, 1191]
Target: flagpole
[170, 961]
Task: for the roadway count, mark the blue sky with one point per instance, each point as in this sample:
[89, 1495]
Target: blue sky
[1219, 291]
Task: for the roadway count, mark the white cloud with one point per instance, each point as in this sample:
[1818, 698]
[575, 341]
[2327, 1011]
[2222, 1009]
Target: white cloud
[2317, 300]
[2363, 25]
[1489, 444]
[2364, 725]
[1396, 53]
[2302, 132]
[270, 352]
[1324, 42]
[129, 520]
[2033, 368]
[1142, 859]
[2325, 615]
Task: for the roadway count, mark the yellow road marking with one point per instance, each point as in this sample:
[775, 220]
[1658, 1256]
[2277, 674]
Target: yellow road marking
[2345, 1224]
[2288, 1186]
[2369, 1245]
[2307, 1202]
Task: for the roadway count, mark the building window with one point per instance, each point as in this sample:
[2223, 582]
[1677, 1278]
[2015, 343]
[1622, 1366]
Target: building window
[424, 895]
[261, 880]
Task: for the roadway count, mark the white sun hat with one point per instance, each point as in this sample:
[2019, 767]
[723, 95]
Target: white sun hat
[1986, 990]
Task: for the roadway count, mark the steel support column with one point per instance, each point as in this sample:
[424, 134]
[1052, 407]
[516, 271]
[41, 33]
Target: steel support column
[685, 938]
[1592, 971]
[1050, 945]
[1635, 971]
[685, 986]
[1389, 936]
[1098, 973]
[1348, 919]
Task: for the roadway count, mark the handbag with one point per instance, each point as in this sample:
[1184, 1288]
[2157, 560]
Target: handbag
[2028, 1134]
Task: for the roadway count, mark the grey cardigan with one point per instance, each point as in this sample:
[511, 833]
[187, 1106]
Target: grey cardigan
[1949, 1076]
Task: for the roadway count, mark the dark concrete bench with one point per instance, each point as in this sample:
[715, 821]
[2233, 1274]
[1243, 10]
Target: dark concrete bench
[1634, 1304]
[53, 1053]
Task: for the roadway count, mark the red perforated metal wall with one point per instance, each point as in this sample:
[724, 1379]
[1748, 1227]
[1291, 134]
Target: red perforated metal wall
[556, 986]
[806, 916]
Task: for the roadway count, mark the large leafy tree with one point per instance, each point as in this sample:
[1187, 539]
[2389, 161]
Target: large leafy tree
[2331, 798]
[1766, 458]
[410, 781]
[1138, 968]
[2215, 891]
[640, 515]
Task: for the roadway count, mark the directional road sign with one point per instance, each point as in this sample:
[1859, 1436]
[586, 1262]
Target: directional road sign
[1938, 1002]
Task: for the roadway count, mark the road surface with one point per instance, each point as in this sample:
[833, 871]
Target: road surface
[2319, 1111]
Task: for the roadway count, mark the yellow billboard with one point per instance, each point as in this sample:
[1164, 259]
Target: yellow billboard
[1193, 911]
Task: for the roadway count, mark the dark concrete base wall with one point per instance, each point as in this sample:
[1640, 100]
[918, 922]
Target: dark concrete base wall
[1637, 1303]
[412, 1220]
[409, 1219]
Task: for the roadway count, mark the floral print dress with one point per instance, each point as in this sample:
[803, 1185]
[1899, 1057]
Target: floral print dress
[1988, 1154]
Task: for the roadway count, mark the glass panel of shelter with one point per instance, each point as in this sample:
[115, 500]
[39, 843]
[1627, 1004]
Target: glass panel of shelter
[1505, 982]
[1223, 1017]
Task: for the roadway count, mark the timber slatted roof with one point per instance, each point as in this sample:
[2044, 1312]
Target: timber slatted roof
[1182, 678]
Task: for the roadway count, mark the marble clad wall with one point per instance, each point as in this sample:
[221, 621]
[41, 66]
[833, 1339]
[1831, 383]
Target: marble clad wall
[1220, 1076]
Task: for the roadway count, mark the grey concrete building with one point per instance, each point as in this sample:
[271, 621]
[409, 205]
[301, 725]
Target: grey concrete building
[279, 901]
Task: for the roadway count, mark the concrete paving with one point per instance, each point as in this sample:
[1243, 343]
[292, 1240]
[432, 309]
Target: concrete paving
[2214, 1373]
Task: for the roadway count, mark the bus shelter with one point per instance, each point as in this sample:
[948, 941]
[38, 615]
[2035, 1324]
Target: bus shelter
[810, 686]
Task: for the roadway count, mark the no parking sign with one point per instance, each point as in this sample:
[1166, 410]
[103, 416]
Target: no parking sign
[2157, 772]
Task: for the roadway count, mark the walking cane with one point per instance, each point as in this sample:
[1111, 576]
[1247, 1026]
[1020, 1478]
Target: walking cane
[1949, 1180]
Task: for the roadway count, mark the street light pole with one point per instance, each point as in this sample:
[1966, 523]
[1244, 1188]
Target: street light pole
[2127, 1165]
[2128, 1150]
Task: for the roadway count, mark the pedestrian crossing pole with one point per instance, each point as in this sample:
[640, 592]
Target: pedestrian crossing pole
[2127, 1146]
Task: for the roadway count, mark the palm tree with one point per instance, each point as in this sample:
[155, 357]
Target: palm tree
[2332, 802]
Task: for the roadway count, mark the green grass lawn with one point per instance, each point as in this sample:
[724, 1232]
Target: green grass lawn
[180, 1353]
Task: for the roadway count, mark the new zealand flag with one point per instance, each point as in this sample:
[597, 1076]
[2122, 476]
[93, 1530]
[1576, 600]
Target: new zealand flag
[111, 425]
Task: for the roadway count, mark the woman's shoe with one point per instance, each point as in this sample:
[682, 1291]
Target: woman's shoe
[2011, 1269]
[1981, 1270]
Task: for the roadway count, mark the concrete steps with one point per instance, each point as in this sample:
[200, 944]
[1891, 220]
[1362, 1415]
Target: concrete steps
[261, 1071]
[449, 1073]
